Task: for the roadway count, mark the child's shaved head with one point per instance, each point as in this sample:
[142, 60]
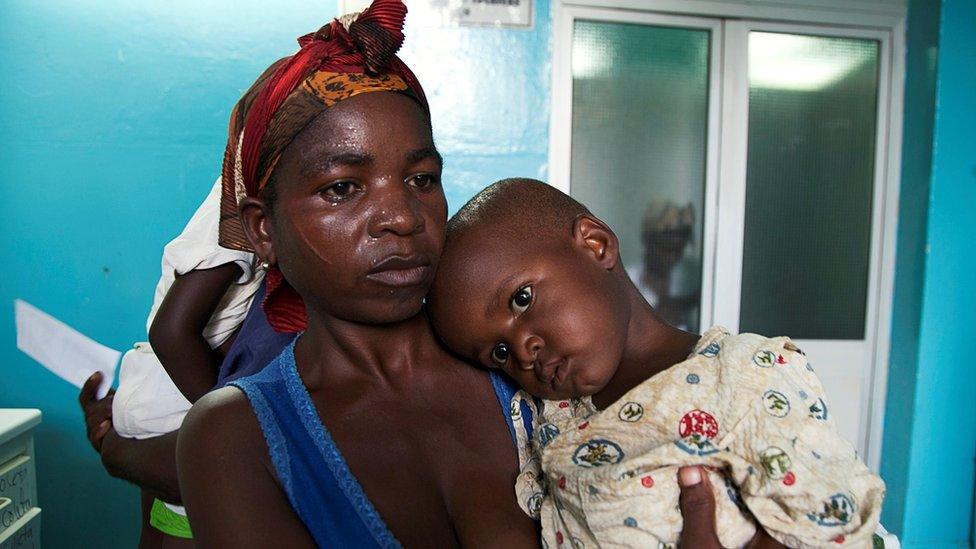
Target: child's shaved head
[530, 282]
[518, 207]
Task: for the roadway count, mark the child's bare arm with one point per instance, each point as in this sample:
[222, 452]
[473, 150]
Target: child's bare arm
[176, 333]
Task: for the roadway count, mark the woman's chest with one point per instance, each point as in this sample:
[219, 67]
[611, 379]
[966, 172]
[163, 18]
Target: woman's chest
[422, 459]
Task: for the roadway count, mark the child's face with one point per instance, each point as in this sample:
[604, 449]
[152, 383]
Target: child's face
[547, 314]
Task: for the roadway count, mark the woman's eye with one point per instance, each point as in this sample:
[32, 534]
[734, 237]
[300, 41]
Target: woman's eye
[424, 181]
[521, 300]
[499, 354]
[339, 189]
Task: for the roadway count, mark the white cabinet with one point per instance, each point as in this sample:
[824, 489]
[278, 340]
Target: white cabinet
[20, 517]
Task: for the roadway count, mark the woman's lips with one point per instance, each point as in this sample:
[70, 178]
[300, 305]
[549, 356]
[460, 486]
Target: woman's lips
[401, 277]
[400, 271]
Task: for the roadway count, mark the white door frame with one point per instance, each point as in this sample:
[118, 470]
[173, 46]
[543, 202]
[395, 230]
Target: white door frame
[884, 21]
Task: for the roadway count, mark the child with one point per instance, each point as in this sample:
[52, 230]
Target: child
[530, 282]
[201, 299]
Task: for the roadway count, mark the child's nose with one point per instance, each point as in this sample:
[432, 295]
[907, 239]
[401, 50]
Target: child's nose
[528, 353]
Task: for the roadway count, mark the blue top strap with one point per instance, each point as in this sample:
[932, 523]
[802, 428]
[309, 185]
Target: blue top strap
[328, 500]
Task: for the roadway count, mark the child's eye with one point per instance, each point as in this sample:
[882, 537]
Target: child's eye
[521, 300]
[499, 354]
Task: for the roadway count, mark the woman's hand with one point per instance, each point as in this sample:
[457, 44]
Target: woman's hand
[98, 412]
[698, 510]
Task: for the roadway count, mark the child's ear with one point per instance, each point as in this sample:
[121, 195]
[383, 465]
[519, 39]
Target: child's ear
[598, 240]
[257, 228]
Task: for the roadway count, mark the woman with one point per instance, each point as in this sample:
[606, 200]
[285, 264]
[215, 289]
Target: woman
[365, 431]
[344, 207]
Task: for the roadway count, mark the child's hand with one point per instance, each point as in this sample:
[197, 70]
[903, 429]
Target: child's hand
[698, 511]
[98, 413]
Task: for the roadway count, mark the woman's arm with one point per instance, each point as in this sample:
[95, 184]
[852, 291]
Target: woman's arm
[176, 333]
[698, 511]
[149, 463]
[230, 492]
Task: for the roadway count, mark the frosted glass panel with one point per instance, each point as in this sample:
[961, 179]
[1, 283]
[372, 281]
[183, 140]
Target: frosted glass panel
[809, 183]
[640, 105]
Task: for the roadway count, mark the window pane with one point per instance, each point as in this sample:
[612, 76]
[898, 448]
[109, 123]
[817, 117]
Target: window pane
[809, 184]
[640, 105]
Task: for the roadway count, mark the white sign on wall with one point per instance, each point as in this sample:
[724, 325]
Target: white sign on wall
[500, 13]
[496, 13]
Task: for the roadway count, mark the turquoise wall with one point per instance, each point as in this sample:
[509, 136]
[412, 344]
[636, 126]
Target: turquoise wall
[113, 118]
[930, 430]
[922, 40]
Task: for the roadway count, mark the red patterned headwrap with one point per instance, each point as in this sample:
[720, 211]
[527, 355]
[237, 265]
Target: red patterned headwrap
[351, 55]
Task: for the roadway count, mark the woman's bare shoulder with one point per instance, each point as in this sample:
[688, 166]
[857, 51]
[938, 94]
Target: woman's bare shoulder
[221, 458]
[222, 420]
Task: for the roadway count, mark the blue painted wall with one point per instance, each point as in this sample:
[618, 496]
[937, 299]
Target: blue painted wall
[113, 118]
[922, 41]
[489, 94]
[930, 440]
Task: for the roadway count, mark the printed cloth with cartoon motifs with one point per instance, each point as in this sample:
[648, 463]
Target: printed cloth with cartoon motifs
[748, 406]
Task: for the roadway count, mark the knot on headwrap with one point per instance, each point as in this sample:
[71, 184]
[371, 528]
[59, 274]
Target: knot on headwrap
[351, 55]
[378, 34]
[369, 46]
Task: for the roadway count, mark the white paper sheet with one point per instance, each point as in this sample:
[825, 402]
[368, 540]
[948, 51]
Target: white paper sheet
[60, 348]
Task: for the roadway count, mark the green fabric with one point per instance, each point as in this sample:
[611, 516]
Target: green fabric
[169, 522]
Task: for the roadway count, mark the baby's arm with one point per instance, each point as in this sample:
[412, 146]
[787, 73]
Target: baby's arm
[800, 478]
[176, 334]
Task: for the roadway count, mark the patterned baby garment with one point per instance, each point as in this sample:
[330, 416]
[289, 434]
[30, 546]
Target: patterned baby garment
[747, 405]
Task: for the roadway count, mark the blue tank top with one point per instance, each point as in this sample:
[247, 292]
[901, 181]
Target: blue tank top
[316, 478]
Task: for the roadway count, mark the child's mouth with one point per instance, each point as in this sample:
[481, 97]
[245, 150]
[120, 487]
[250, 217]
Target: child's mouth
[558, 369]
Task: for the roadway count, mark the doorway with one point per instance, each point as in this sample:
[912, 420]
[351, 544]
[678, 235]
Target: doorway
[745, 166]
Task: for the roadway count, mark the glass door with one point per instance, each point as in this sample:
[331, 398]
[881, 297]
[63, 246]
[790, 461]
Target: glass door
[801, 216]
[742, 164]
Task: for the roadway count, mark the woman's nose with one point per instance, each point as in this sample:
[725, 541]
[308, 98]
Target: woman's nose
[527, 353]
[396, 211]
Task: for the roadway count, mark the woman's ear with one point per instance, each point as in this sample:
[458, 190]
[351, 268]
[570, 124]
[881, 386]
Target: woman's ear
[597, 239]
[256, 220]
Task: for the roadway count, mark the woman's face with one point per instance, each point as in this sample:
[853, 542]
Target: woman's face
[357, 225]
